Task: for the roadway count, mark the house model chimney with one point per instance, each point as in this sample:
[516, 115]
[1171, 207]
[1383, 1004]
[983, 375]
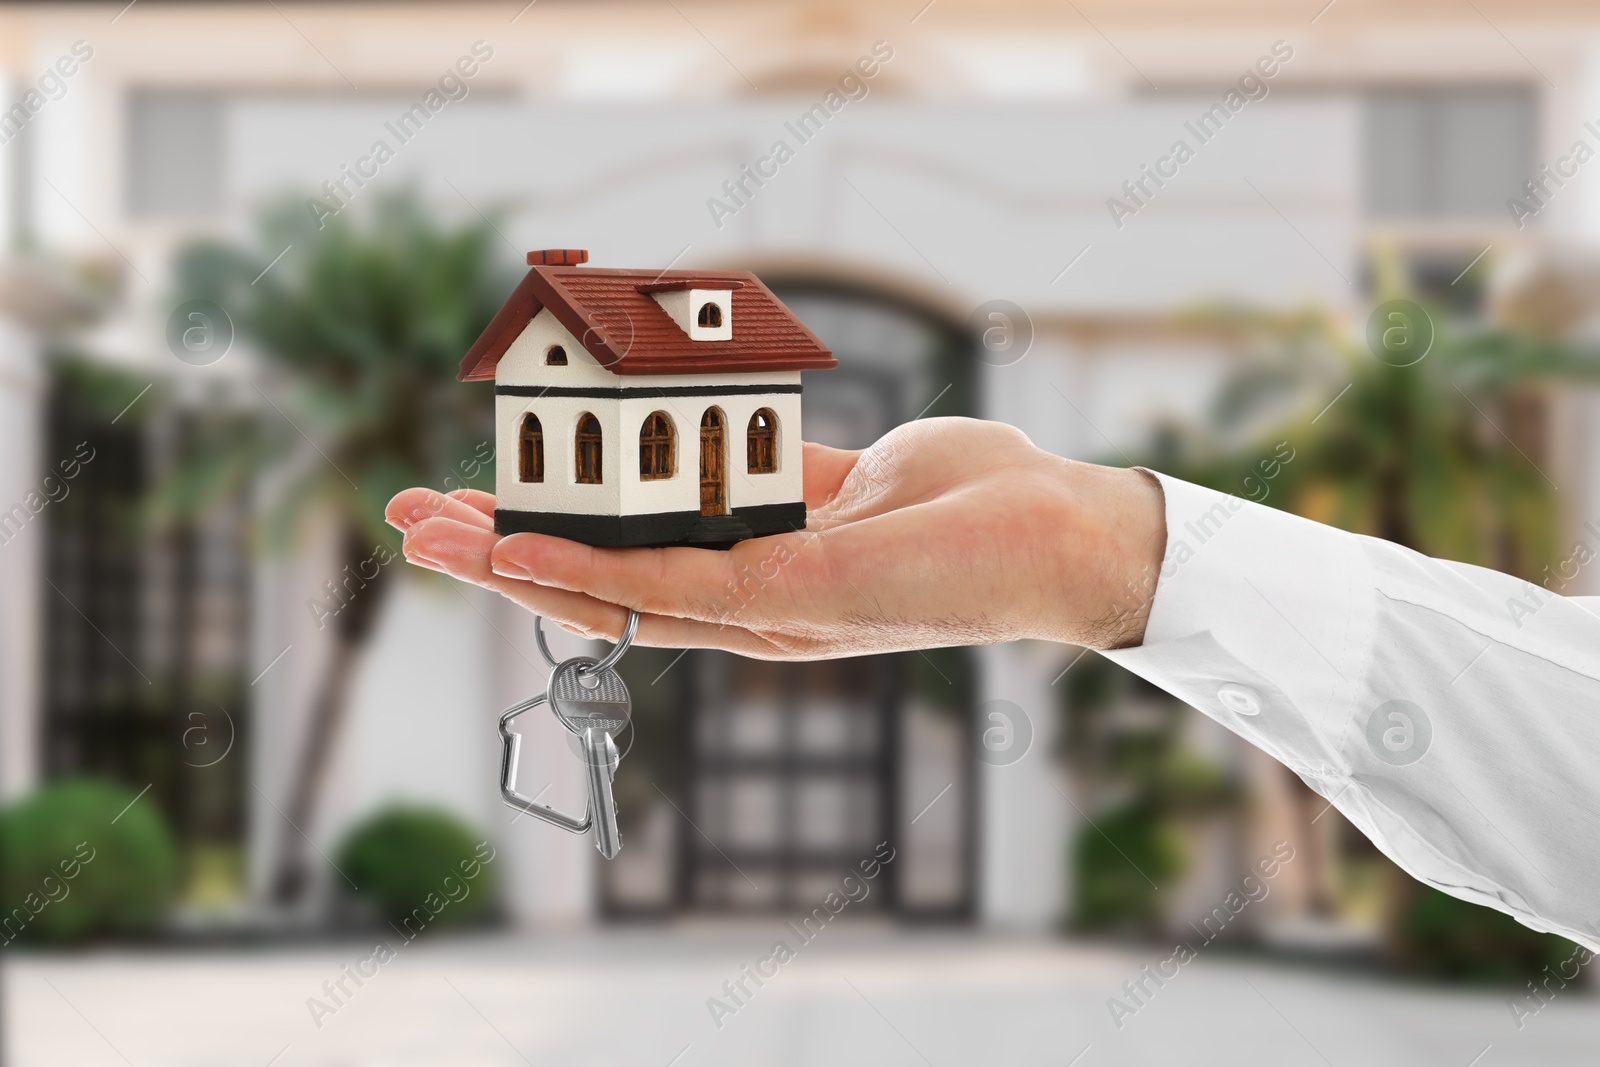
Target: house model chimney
[557, 257]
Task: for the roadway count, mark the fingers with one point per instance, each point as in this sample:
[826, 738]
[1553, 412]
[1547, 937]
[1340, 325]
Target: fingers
[412, 506]
[687, 597]
[451, 546]
[866, 487]
[825, 471]
[476, 498]
[690, 583]
[464, 551]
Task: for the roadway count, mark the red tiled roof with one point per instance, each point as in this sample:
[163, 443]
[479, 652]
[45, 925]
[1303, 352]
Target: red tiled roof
[629, 333]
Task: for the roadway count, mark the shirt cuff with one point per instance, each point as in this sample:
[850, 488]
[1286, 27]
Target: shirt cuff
[1246, 594]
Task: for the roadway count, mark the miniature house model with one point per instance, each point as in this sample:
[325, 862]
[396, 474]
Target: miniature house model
[637, 407]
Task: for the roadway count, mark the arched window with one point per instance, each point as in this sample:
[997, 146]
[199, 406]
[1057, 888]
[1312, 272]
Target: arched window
[586, 446]
[530, 449]
[658, 451]
[555, 356]
[761, 442]
[710, 315]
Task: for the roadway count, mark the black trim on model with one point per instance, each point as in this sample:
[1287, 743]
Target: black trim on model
[653, 392]
[659, 529]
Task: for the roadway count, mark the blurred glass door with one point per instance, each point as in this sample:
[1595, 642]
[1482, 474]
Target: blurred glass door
[145, 637]
[755, 786]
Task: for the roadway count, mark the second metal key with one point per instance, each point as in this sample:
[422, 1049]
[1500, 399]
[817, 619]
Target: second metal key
[594, 705]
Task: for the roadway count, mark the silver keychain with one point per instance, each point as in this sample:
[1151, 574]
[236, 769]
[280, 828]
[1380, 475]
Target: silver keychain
[590, 699]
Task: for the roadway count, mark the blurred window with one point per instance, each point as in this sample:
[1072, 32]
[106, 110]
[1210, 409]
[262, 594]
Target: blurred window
[175, 155]
[587, 448]
[556, 357]
[710, 316]
[1447, 154]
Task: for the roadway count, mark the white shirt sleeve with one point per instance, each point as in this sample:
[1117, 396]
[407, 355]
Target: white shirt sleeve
[1452, 713]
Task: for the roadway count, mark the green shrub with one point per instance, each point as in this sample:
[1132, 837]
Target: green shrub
[1440, 936]
[420, 866]
[77, 862]
[1113, 862]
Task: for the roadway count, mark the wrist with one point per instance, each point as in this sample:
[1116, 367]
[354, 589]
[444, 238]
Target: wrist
[1115, 540]
[1140, 544]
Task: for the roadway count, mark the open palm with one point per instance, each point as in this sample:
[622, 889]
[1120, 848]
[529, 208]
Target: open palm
[944, 532]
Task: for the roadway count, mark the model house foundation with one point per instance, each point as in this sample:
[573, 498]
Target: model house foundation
[640, 407]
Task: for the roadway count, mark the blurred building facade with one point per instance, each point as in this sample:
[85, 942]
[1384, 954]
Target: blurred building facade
[997, 152]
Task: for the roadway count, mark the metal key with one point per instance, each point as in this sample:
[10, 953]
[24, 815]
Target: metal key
[590, 700]
[594, 704]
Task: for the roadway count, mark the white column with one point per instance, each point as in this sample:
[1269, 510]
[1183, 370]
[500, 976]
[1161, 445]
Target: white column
[21, 557]
[1581, 217]
[1024, 823]
[549, 878]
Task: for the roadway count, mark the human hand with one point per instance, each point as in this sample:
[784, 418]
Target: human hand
[944, 532]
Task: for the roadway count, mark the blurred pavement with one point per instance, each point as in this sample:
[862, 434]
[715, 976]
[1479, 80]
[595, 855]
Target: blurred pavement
[858, 994]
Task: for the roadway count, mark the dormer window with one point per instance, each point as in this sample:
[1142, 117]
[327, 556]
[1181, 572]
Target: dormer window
[707, 313]
[702, 308]
[555, 356]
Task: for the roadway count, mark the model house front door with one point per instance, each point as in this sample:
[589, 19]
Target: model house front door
[713, 465]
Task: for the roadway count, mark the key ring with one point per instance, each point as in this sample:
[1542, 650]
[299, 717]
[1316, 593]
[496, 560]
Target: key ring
[607, 662]
[591, 716]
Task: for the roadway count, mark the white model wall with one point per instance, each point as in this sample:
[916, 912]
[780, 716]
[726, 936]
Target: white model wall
[681, 492]
[560, 491]
[621, 492]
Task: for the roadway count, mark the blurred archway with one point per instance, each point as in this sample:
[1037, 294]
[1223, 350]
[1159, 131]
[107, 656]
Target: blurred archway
[760, 784]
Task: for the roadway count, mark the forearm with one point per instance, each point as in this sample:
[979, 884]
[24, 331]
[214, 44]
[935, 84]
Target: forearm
[1452, 727]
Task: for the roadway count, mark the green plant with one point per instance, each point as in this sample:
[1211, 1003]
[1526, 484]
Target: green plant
[1123, 740]
[1444, 455]
[1442, 937]
[364, 321]
[1117, 864]
[406, 858]
[81, 859]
